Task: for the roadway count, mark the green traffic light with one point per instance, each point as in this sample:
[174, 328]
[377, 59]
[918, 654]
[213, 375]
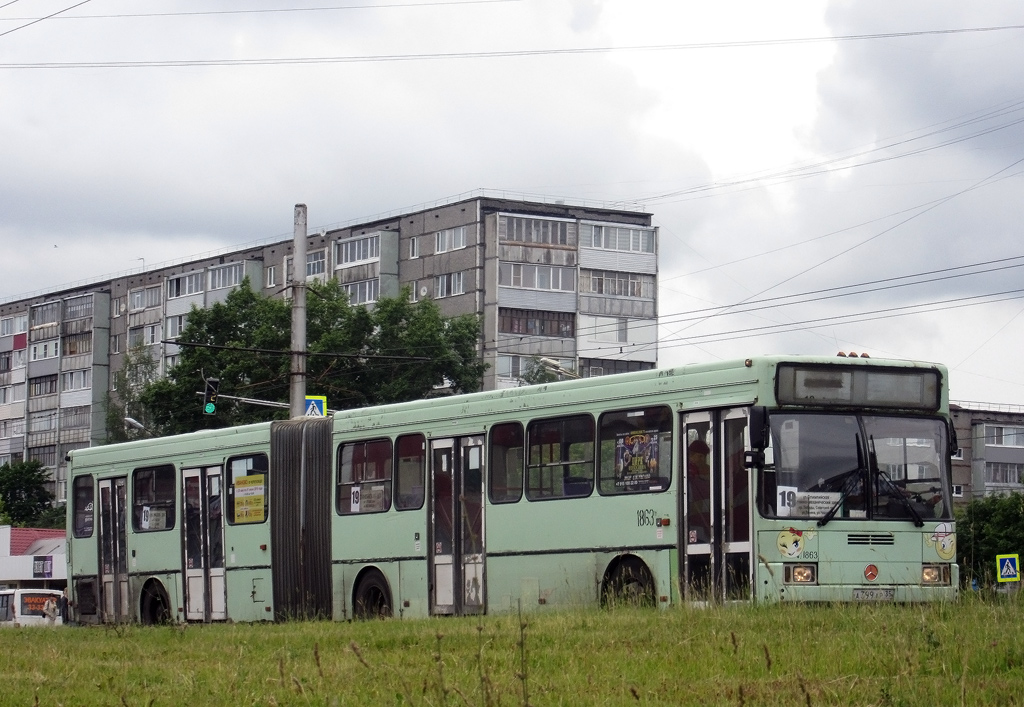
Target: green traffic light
[210, 408]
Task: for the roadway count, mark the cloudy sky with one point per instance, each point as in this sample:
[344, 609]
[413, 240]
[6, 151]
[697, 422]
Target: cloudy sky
[825, 176]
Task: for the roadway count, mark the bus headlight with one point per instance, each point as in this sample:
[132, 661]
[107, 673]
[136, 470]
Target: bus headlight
[935, 574]
[801, 574]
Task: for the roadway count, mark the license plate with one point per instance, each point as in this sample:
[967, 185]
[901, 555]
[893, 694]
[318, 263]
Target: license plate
[874, 594]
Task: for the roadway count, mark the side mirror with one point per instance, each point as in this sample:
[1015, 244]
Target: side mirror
[758, 421]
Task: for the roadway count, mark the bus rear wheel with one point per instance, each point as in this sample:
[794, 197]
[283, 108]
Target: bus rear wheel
[155, 606]
[629, 583]
[372, 598]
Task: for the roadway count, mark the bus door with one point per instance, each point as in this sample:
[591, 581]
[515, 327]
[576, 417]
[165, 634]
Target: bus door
[113, 550]
[203, 541]
[717, 534]
[456, 526]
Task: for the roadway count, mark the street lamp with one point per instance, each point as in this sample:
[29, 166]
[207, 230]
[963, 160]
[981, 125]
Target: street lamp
[132, 422]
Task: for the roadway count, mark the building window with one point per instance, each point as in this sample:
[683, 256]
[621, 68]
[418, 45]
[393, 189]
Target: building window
[356, 250]
[594, 367]
[175, 325]
[43, 385]
[1003, 473]
[170, 362]
[1000, 436]
[12, 428]
[316, 263]
[448, 285]
[19, 357]
[414, 295]
[6, 395]
[537, 277]
[534, 323]
[144, 335]
[622, 238]
[76, 380]
[43, 314]
[115, 343]
[5, 361]
[20, 323]
[191, 284]
[76, 417]
[143, 299]
[533, 230]
[76, 344]
[44, 350]
[362, 292]
[47, 455]
[78, 308]
[611, 329]
[226, 276]
[7, 326]
[271, 272]
[512, 367]
[42, 421]
[450, 239]
[414, 248]
[619, 284]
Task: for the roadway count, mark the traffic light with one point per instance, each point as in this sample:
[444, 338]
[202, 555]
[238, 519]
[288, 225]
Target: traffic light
[210, 396]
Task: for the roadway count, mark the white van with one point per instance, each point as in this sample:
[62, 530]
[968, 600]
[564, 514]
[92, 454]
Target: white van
[27, 607]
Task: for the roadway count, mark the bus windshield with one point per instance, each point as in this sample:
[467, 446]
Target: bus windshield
[857, 467]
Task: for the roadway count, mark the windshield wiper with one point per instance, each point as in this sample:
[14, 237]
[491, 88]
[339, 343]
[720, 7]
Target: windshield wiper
[850, 480]
[893, 488]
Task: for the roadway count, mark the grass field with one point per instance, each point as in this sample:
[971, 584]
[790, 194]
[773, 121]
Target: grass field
[971, 652]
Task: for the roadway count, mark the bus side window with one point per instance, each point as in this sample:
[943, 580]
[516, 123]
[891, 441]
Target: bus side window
[636, 451]
[154, 498]
[82, 506]
[561, 458]
[410, 472]
[247, 489]
[364, 477]
[505, 483]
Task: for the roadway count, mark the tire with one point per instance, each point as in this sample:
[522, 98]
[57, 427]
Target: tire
[155, 608]
[372, 599]
[629, 583]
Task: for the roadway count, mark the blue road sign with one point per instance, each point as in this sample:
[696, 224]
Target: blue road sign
[316, 405]
[1008, 568]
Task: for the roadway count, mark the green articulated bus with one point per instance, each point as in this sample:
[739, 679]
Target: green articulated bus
[767, 479]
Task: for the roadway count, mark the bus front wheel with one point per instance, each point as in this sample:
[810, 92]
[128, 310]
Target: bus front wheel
[372, 598]
[155, 605]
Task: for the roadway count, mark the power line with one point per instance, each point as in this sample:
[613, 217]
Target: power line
[499, 54]
[29, 24]
[267, 11]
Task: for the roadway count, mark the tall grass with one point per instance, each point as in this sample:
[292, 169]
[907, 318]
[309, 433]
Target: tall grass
[970, 652]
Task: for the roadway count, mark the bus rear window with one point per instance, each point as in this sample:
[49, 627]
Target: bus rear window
[153, 499]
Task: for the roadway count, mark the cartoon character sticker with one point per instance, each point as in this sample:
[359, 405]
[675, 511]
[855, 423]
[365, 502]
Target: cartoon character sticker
[943, 539]
[791, 541]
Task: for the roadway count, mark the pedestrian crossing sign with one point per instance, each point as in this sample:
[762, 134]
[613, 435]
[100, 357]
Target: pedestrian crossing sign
[1008, 568]
[316, 405]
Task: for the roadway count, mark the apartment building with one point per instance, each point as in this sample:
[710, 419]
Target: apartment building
[990, 459]
[573, 283]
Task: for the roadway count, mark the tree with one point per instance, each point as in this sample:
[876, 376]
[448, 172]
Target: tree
[395, 352]
[23, 492]
[138, 371]
[986, 527]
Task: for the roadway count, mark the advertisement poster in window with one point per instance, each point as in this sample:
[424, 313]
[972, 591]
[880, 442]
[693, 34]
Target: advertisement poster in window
[636, 458]
[250, 497]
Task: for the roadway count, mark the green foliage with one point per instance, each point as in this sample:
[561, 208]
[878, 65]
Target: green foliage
[52, 517]
[986, 527]
[138, 371]
[886, 654]
[372, 365]
[23, 492]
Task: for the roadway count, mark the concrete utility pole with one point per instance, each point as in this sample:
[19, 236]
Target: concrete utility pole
[298, 382]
